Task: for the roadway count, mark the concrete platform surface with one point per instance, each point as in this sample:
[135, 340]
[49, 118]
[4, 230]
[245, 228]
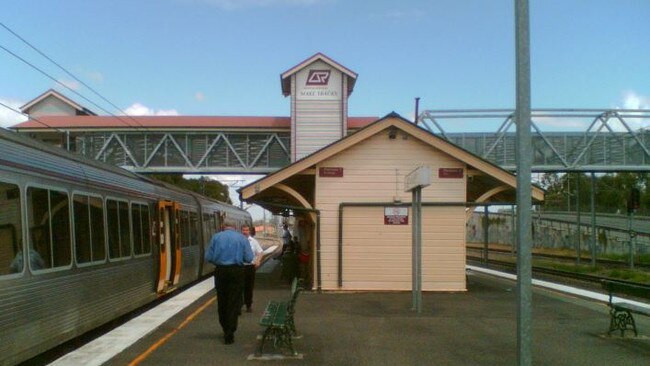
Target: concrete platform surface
[477, 327]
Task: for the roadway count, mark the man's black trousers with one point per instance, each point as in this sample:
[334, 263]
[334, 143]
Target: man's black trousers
[229, 282]
[249, 284]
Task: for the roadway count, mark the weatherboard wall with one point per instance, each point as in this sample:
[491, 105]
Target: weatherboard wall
[318, 114]
[378, 256]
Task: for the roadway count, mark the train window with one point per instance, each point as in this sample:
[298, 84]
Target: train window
[119, 232]
[185, 228]
[141, 229]
[11, 253]
[96, 207]
[194, 228]
[88, 228]
[48, 218]
[207, 227]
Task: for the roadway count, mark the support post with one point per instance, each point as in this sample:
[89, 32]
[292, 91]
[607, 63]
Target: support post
[632, 239]
[578, 226]
[416, 206]
[419, 250]
[524, 186]
[486, 232]
[414, 233]
[593, 219]
[514, 232]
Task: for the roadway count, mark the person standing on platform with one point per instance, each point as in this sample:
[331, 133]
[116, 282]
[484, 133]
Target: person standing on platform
[250, 268]
[286, 239]
[228, 251]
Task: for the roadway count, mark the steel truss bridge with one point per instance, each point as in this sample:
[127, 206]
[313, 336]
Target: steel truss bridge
[611, 142]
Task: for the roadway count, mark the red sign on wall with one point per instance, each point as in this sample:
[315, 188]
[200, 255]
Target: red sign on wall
[396, 216]
[330, 172]
[450, 173]
[318, 77]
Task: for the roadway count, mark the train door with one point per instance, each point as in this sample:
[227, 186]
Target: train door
[170, 249]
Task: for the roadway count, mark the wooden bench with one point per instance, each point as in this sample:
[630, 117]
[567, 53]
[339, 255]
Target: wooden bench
[278, 318]
[621, 311]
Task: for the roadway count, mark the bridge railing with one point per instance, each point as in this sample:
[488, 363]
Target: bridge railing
[188, 152]
[611, 140]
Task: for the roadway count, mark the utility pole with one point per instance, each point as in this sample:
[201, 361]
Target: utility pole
[524, 186]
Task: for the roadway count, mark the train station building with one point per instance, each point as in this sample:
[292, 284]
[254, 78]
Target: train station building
[347, 190]
[341, 177]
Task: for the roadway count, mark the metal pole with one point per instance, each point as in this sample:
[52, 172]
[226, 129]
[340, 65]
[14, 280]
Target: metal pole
[414, 234]
[419, 249]
[524, 186]
[631, 243]
[593, 219]
[568, 192]
[514, 231]
[578, 231]
[486, 231]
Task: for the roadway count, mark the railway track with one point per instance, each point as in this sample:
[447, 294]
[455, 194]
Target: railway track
[581, 280]
[565, 258]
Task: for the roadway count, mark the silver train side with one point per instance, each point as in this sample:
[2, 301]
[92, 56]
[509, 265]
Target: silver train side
[163, 233]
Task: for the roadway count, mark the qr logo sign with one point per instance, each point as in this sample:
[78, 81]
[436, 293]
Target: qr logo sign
[318, 77]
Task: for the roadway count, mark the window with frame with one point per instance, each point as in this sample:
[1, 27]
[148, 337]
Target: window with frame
[207, 227]
[185, 228]
[119, 231]
[194, 228]
[48, 219]
[140, 221]
[88, 228]
[11, 245]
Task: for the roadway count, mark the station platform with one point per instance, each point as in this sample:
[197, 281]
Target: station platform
[477, 327]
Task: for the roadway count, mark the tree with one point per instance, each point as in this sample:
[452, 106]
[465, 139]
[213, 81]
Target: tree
[612, 191]
[202, 185]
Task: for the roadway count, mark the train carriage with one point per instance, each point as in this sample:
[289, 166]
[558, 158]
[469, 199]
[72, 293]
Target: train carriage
[82, 243]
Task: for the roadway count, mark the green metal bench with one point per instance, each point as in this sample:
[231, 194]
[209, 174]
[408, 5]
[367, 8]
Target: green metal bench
[621, 311]
[278, 318]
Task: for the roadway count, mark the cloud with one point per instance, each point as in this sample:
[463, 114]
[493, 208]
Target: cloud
[95, 76]
[633, 100]
[72, 84]
[399, 16]
[199, 96]
[239, 4]
[138, 109]
[565, 123]
[7, 116]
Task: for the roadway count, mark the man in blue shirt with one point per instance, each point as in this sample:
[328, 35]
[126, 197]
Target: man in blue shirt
[228, 251]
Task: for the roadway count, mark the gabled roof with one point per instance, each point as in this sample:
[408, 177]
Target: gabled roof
[57, 95]
[286, 80]
[391, 120]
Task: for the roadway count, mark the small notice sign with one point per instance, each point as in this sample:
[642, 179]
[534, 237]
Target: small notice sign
[450, 173]
[330, 172]
[396, 216]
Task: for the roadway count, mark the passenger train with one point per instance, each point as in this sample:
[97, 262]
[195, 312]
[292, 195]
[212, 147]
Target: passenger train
[82, 243]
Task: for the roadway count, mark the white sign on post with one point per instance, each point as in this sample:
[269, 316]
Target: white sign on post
[420, 177]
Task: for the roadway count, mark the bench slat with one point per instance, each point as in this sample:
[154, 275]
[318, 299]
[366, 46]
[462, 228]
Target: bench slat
[631, 308]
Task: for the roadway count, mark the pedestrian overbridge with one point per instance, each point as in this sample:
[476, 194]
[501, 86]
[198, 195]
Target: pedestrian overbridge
[262, 145]
[602, 140]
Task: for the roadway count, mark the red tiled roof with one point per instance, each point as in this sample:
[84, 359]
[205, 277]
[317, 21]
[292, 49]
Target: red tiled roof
[360, 122]
[171, 122]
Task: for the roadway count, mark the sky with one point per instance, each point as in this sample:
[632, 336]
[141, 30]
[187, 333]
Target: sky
[225, 57]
